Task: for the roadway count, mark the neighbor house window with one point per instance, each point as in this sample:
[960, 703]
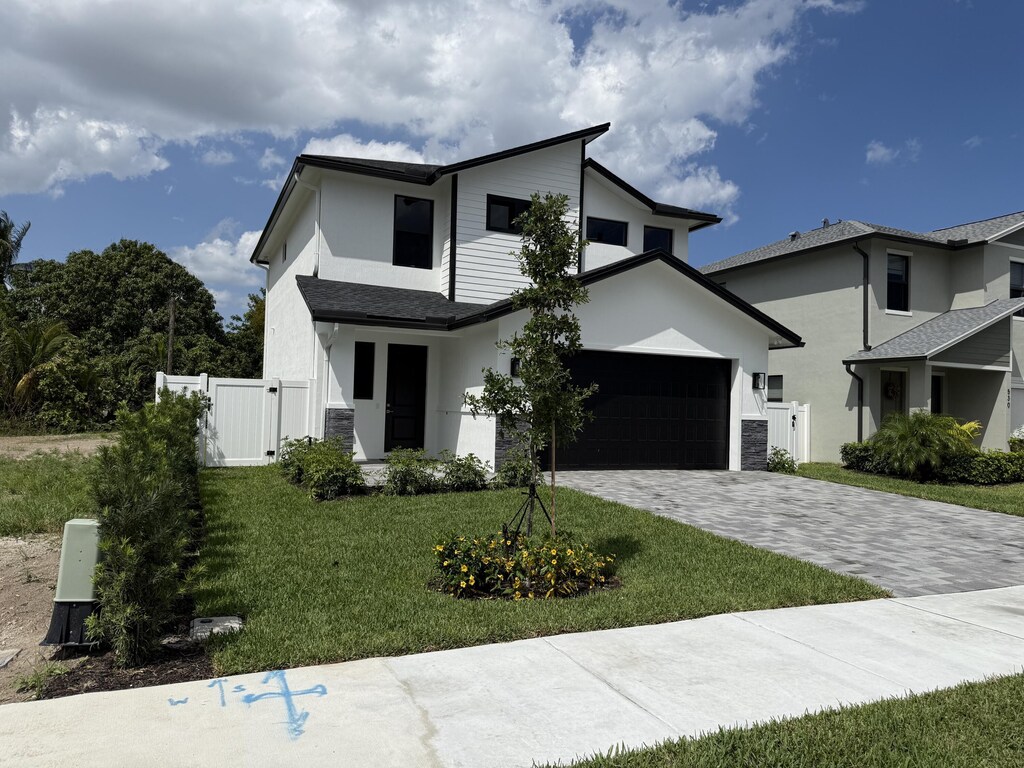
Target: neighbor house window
[414, 232]
[658, 237]
[897, 295]
[284, 252]
[774, 389]
[502, 213]
[362, 370]
[1017, 282]
[606, 231]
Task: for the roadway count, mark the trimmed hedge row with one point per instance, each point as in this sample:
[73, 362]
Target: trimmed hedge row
[970, 468]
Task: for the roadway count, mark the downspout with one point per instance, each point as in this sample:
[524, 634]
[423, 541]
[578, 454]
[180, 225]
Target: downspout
[864, 341]
[319, 198]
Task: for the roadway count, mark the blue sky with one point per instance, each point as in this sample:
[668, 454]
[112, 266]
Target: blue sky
[143, 121]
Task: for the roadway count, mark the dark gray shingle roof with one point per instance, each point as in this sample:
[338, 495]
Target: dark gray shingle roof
[333, 300]
[842, 231]
[939, 333]
[417, 171]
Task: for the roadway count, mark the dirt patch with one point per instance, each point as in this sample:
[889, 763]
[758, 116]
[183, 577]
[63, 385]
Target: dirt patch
[97, 672]
[28, 576]
[22, 446]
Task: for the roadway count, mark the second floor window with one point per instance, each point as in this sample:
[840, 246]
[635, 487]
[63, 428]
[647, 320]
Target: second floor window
[414, 232]
[1017, 282]
[606, 231]
[657, 237]
[897, 294]
[502, 213]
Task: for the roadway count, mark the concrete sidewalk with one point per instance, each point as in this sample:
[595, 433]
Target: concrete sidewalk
[546, 699]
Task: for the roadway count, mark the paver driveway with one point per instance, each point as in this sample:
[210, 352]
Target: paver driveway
[910, 546]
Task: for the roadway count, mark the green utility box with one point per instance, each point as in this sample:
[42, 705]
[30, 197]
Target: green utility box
[75, 597]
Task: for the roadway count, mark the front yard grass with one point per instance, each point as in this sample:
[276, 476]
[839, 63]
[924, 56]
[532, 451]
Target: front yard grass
[40, 493]
[349, 579]
[1008, 499]
[971, 725]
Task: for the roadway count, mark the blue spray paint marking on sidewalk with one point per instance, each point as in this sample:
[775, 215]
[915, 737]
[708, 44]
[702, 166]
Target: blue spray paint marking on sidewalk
[176, 702]
[296, 718]
[219, 684]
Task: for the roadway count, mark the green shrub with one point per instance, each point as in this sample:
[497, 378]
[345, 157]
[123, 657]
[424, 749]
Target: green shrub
[862, 458]
[330, 472]
[145, 487]
[1017, 440]
[916, 445]
[462, 473]
[491, 567]
[780, 460]
[409, 472]
[983, 468]
[293, 457]
[515, 471]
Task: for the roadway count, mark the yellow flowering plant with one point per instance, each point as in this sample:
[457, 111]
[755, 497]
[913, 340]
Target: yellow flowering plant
[494, 567]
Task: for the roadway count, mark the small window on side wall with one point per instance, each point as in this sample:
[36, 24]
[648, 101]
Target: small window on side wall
[657, 237]
[897, 293]
[1017, 283]
[606, 231]
[775, 389]
[414, 232]
[284, 251]
[362, 371]
[502, 213]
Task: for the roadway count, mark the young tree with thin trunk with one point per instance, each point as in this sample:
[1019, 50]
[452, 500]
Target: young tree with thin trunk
[541, 405]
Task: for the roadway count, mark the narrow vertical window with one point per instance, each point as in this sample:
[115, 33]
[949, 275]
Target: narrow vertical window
[774, 389]
[897, 295]
[284, 251]
[1017, 282]
[414, 232]
[362, 373]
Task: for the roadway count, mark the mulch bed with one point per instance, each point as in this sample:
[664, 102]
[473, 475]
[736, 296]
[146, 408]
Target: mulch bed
[98, 673]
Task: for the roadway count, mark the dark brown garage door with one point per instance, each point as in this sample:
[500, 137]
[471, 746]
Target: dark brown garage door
[651, 411]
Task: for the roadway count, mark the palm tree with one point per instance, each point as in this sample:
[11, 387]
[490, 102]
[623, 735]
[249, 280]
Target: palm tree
[24, 351]
[11, 236]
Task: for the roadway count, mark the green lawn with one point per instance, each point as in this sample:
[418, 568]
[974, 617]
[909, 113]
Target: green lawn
[40, 493]
[349, 579]
[998, 498]
[977, 724]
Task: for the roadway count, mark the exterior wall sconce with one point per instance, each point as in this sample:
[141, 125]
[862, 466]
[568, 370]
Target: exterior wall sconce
[760, 380]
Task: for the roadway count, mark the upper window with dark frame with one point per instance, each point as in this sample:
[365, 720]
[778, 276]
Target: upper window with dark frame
[414, 232]
[774, 389]
[657, 237]
[1017, 283]
[362, 371]
[897, 293]
[502, 213]
[607, 231]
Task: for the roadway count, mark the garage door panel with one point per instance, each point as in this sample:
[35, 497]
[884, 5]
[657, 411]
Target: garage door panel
[652, 411]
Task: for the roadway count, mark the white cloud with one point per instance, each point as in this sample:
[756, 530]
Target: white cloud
[453, 80]
[270, 160]
[347, 145]
[974, 142]
[217, 157]
[879, 154]
[222, 263]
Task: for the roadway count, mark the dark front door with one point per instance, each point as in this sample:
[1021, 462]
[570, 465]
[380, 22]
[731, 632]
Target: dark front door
[651, 411]
[406, 408]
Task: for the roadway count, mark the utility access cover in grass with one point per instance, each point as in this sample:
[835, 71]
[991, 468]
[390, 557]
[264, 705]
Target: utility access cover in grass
[345, 580]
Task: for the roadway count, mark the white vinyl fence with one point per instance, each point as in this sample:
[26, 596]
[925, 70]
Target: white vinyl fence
[789, 428]
[248, 419]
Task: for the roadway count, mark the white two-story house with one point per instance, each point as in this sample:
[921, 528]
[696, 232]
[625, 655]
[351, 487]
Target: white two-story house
[388, 285]
[893, 320]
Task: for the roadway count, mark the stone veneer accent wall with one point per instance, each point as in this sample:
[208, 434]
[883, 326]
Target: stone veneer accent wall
[754, 444]
[341, 422]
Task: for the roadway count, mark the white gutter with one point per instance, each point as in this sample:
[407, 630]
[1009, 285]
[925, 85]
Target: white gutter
[319, 197]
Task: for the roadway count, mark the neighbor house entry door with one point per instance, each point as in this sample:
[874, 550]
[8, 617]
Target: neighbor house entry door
[894, 393]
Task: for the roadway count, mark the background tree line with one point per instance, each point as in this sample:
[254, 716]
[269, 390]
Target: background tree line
[79, 337]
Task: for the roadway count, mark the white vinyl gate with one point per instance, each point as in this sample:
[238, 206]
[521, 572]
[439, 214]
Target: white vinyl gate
[789, 428]
[248, 419]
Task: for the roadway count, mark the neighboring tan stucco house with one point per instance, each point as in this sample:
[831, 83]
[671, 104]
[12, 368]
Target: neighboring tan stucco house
[893, 320]
[388, 285]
